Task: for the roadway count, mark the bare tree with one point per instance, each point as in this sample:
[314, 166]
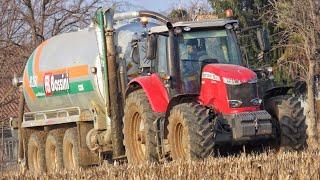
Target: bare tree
[190, 11]
[123, 6]
[46, 18]
[196, 7]
[299, 21]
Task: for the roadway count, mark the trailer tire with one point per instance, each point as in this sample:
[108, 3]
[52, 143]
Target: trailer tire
[140, 147]
[289, 123]
[71, 151]
[54, 151]
[191, 135]
[36, 152]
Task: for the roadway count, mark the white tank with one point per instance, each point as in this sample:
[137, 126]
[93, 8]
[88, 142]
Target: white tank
[60, 73]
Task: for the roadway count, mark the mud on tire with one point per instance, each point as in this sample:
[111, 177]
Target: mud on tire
[288, 121]
[191, 134]
[54, 150]
[36, 152]
[139, 133]
[71, 153]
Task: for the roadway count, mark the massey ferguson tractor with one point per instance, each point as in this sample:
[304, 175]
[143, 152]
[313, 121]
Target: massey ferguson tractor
[127, 88]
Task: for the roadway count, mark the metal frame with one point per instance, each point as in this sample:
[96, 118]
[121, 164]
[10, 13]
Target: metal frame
[194, 24]
[60, 116]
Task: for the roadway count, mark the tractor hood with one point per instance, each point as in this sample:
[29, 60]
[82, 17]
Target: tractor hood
[229, 89]
[229, 73]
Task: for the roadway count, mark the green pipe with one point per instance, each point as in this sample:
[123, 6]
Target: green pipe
[100, 18]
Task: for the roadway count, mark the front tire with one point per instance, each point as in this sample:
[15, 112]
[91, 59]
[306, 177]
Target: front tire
[191, 133]
[288, 121]
[139, 133]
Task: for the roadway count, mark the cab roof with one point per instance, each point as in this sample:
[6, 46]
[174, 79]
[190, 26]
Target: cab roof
[194, 24]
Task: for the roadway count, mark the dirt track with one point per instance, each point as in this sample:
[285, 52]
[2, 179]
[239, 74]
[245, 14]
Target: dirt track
[304, 165]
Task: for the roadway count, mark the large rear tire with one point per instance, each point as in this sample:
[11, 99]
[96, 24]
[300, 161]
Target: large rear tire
[191, 133]
[36, 152]
[71, 153]
[288, 121]
[139, 133]
[54, 151]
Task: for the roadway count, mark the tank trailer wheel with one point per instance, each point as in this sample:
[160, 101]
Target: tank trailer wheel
[54, 151]
[139, 133]
[36, 152]
[71, 149]
[191, 133]
[289, 122]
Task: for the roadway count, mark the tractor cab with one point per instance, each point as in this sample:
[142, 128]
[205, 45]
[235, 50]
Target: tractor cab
[197, 43]
[200, 46]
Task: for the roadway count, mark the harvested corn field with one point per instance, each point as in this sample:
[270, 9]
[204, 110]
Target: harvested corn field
[305, 165]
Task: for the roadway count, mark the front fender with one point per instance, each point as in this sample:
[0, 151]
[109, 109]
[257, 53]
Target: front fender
[178, 99]
[155, 91]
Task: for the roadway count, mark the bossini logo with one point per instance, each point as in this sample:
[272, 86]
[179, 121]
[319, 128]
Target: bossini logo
[55, 83]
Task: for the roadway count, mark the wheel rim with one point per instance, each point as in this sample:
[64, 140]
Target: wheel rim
[179, 145]
[138, 138]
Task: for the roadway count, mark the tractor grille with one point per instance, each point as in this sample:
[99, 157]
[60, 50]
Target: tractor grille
[243, 92]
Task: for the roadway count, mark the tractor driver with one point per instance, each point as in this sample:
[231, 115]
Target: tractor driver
[191, 67]
[192, 49]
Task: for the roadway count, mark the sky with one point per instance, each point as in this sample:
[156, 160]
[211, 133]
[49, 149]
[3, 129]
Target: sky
[159, 5]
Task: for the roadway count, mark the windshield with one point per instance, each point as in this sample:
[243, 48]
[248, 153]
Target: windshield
[202, 47]
[213, 44]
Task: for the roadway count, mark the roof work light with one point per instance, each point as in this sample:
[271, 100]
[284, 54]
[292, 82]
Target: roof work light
[229, 13]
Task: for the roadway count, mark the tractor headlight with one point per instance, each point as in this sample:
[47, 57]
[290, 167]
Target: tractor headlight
[235, 103]
[269, 69]
[256, 101]
[231, 81]
[252, 81]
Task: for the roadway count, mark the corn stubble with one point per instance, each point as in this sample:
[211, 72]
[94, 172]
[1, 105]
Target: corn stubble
[289, 165]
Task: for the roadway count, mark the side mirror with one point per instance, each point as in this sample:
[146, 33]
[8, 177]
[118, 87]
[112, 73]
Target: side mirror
[263, 39]
[151, 47]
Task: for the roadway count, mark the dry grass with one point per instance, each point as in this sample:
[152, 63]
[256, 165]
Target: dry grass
[305, 165]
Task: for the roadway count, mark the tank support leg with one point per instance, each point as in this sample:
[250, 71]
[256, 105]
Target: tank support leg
[21, 152]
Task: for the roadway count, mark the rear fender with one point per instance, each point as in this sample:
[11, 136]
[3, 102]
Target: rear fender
[276, 91]
[155, 91]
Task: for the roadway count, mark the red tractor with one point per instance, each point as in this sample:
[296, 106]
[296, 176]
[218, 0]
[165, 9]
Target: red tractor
[197, 96]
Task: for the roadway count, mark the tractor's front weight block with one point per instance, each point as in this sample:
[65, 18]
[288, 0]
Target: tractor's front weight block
[247, 125]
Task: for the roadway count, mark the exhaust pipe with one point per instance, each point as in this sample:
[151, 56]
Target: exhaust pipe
[173, 63]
